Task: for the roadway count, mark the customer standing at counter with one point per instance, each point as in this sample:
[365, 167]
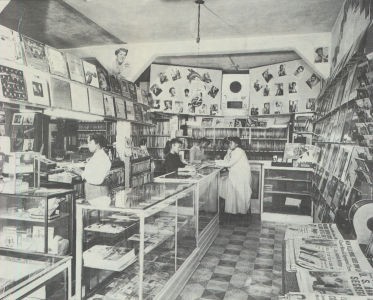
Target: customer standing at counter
[236, 189]
[172, 160]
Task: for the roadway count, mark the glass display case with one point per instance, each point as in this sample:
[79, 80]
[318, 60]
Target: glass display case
[207, 200]
[287, 191]
[140, 246]
[34, 276]
[39, 220]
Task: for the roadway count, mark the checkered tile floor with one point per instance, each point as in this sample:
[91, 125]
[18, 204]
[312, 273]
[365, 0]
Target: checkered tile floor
[244, 262]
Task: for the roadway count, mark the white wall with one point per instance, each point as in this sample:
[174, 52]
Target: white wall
[141, 55]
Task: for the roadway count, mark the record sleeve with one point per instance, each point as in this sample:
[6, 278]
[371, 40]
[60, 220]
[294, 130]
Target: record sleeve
[109, 105]
[120, 108]
[10, 45]
[125, 89]
[90, 73]
[60, 93]
[130, 111]
[57, 62]
[115, 85]
[76, 70]
[138, 112]
[37, 86]
[96, 103]
[12, 83]
[35, 54]
[103, 78]
[132, 90]
[79, 97]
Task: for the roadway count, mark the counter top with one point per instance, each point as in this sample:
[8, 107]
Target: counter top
[41, 192]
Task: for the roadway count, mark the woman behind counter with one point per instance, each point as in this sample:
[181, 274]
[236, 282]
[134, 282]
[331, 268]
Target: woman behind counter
[236, 189]
[172, 160]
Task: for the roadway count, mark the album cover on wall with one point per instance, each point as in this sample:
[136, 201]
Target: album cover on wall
[37, 86]
[235, 94]
[96, 103]
[90, 73]
[12, 83]
[132, 90]
[57, 62]
[60, 93]
[138, 112]
[79, 97]
[124, 88]
[36, 56]
[10, 45]
[109, 105]
[115, 84]
[120, 108]
[130, 111]
[103, 79]
[75, 68]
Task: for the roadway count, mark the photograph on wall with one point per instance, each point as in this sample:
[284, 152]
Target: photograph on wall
[115, 84]
[96, 103]
[109, 105]
[292, 87]
[37, 86]
[279, 89]
[266, 108]
[313, 81]
[266, 91]
[28, 119]
[198, 88]
[17, 119]
[103, 79]
[12, 83]
[235, 94]
[79, 97]
[60, 93]
[90, 73]
[322, 55]
[120, 108]
[281, 70]
[267, 75]
[293, 106]
[76, 70]
[179, 107]
[130, 111]
[299, 70]
[279, 107]
[57, 62]
[35, 54]
[10, 45]
[257, 86]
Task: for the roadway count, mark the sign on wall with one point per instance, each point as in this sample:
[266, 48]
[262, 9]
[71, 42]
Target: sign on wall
[186, 90]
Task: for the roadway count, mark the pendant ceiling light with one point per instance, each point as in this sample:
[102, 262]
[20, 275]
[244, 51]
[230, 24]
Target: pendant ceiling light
[199, 2]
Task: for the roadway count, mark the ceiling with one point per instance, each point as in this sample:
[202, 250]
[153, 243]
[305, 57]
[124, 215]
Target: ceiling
[54, 23]
[169, 20]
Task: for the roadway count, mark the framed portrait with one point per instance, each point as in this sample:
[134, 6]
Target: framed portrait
[28, 119]
[12, 83]
[124, 88]
[57, 62]
[37, 86]
[130, 111]
[90, 73]
[60, 93]
[17, 119]
[79, 97]
[96, 103]
[75, 68]
[35, 54]
[120, 108]
[109, 105]
[10, 45]
[115, 85]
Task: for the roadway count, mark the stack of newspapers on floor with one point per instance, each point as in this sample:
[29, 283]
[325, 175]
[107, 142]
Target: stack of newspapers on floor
[327, 266]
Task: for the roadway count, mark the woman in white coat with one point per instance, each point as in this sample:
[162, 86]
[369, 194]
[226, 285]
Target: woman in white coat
[236, 189]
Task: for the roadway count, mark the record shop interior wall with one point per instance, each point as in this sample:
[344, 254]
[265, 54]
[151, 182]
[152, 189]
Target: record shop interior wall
[141, 55]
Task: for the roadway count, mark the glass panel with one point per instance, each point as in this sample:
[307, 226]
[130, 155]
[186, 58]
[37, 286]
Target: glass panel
[208, 201]
[159, 258]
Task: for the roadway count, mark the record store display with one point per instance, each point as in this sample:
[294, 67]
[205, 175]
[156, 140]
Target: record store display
[130, 111]
[60, 93]
[76, 70]
[132, 90]
[90, 72]
[37, 86]
[57, 62]
[120, 108]
[79, 97]
[10, 45]
[125, 88]
[36, 56]
[109, 105]
[115, 85]
[96, 103]
[12, 83]
[235, 94]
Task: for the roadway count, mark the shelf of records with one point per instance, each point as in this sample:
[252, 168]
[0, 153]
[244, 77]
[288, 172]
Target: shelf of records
[34, 276]
[105, 128]
[34, 73]
[137, 168]
[343, 176]
[138, 246]
[324, 265]
[39, 220]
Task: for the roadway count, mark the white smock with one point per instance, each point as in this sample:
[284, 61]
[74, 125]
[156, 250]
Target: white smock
[236, 188]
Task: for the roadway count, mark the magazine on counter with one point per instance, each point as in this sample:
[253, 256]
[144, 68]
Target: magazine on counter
[320, 254]
[303, 296]
[335, 283]
[316, 231]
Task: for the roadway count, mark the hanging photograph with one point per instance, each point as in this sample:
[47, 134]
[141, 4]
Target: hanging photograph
[120, 108]
[293, 106]
[156, 104]
[179, 107]
[57, 62]
[115, 85]
[35, 54]
[214, 109]
[279, 89]
[76, 70]
[17, 119]
[172, 92]
[124, 88]
[90, 72]
[167, 105]
[279, 107]
[130, 111]
[267, 75]
[281, 70]
[292, 87]
[311, 104]
[257, 86]
[109, 105]
[10, 45]
[266, 108]
[28, 119]
[60, 93]
[37, 86]
[156, 90]
[96, 103]
[299, 70]
[79, 97]
[138, 112]
[266, 91]
[313, 81]
[12, 83]
[321, 55]
[175, 74]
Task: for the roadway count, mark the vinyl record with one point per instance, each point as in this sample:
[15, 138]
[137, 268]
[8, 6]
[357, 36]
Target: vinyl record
[96, 102]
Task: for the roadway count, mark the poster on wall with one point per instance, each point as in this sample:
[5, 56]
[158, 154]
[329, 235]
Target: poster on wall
[35, 54]
[90, 72]
[10, 45]
[193, 90]
[120, 108]
[114, 84]
[75, 68]
[287, 87]
[96, 103]
[57, 62]
[12, 83]
[37, 86]
[235, 94]
[79, 97]
[60, 94]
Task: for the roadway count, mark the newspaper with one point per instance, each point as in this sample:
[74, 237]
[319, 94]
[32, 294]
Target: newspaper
[301, 296]
[315, 231]
[335, 283]
[331, 255]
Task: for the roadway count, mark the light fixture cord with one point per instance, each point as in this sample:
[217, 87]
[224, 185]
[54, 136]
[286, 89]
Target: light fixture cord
[199, 24]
